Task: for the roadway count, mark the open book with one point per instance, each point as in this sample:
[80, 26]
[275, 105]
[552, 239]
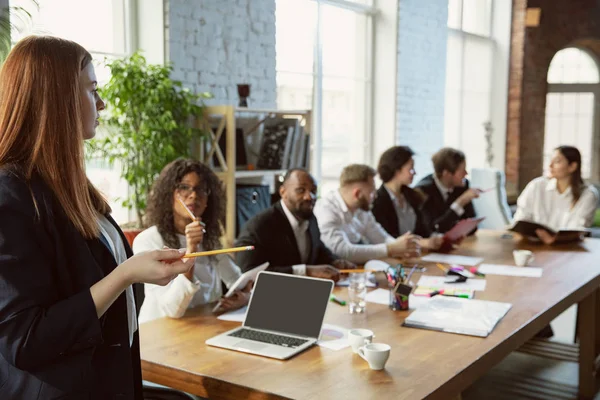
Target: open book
[528, 228]
[456, 315]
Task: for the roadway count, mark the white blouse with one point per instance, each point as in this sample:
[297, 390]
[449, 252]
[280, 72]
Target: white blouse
[180, 294]
[113, 238]
[407, 217]
[541, 202]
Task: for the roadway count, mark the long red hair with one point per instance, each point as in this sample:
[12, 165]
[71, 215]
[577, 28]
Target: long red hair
[41, 124]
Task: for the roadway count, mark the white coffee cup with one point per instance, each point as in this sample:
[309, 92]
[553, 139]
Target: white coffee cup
[359, 337]
[376, 354]
[523, 257]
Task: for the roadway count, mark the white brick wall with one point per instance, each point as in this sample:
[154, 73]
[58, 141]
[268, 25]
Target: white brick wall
[216, 44]
[422, 37]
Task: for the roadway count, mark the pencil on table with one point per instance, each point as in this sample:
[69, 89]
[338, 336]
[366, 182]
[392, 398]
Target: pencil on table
[440, 266]
[220, 251]
[355, 271]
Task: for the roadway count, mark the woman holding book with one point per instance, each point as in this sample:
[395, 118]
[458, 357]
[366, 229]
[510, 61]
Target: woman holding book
[560, 200]
[187, 188]
[397, 206]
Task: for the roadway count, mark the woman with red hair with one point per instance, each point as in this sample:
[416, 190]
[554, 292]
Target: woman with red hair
[67, 307]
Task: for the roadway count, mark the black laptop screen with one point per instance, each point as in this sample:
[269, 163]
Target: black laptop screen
[288, 304]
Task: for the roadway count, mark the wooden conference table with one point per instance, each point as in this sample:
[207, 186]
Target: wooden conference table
[422, 364]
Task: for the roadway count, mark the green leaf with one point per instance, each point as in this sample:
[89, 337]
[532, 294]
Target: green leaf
[148, 117]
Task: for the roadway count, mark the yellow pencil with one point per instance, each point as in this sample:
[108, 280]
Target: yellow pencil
[189, 211]
[440, 266]
[221, 251]
[355, 271]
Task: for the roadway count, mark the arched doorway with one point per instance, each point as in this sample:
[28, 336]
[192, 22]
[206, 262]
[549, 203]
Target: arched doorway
[571, 107]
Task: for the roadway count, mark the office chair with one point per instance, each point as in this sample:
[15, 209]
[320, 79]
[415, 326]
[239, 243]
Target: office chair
[493, 204]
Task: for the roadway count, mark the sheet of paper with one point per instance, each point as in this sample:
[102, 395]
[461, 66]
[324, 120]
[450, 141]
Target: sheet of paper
[379, 296]
[509, 270]
[415, 302]
[452, 259]
[238, 315]
[439, 282]
[382, 296]
[333, 337]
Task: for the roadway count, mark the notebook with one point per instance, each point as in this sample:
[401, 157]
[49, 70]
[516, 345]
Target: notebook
[456, 315]
[528, 228]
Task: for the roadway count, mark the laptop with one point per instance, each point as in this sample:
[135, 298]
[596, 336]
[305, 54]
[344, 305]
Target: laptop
[285, 316]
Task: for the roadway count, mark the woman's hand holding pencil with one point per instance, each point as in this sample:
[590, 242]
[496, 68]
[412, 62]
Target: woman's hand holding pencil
[220, 251]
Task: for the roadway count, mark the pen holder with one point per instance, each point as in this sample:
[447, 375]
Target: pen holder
[399, 297]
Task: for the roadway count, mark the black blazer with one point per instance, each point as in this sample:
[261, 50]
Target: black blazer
[437, 215]
[52, 344]
[385, 213]
[273, 239]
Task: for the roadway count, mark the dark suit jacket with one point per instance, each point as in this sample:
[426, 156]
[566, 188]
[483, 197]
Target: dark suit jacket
[52, 343]
[273, 239]
[437, 215]
[385, 213]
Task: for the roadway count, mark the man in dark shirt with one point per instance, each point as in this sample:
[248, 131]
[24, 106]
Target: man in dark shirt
[287, 234]
[447, 193]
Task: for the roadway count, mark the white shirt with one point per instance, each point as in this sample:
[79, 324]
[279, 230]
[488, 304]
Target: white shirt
[173, 299]
[407, 217]
[343, 230]
[300, 230]
[457, 208]
[541, 202]
[117, 248]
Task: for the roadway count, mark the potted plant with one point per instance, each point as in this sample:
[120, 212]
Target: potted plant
[15, 21]
[149, 123]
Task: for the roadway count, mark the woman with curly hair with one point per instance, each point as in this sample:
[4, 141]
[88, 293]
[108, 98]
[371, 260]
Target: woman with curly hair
[194, 184]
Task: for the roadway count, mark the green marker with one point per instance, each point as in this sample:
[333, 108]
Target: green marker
[336, 300]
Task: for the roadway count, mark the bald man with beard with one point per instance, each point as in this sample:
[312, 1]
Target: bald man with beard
[287, 234]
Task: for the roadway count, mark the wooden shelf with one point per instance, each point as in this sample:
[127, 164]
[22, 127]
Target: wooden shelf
[259, 173]
[225, 118]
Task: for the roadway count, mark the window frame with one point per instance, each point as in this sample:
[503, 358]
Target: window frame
[318, 76]
[594, 89]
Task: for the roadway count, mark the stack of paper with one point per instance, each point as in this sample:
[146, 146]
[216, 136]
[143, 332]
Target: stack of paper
[452, 259]
[455, 315]
[238, 315]
[509, 270]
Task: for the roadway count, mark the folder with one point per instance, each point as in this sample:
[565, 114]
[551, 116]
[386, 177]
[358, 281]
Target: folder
[457, 315]
[528, 228]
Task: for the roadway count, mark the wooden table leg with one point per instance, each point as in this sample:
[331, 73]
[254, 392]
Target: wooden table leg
[597, 317]
[587, 346]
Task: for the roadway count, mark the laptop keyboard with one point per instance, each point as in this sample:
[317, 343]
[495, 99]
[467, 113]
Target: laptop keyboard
[270, 338]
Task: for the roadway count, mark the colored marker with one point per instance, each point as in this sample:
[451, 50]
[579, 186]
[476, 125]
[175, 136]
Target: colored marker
[461, 295]
[336, 300]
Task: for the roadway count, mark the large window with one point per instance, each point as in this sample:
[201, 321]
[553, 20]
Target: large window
[103, 28]
[573, 86]
[469, 66]
[323, 64]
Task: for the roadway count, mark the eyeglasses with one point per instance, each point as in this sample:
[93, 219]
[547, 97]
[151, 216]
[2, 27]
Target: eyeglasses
[186, 190]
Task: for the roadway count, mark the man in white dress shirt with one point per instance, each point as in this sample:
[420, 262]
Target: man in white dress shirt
[349, 228]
